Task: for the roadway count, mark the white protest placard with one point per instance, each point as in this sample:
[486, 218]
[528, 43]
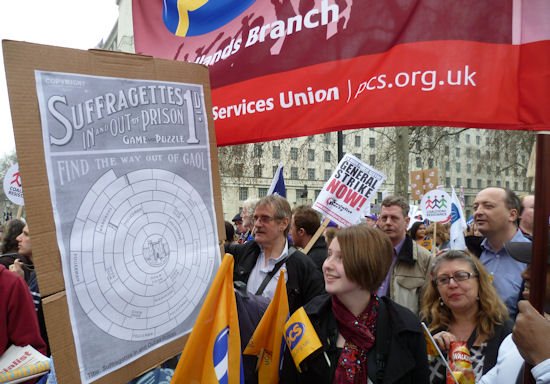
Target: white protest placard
[348, 191]
[436, 205]
[12, 185]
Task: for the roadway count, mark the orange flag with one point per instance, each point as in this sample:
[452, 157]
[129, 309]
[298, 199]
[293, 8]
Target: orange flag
[266, 342]
[213, 351]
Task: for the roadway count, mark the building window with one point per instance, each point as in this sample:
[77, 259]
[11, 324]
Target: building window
[447, 165]
[327, 138]
[457, 151]
[372, 159]
[469, 168]
[311, 173]
[358, 155]
[258, 170]
[418, 162]
[294, 173]
[457, 138]
[262, 192]
[357, 141]
[276, 152]
[468, 152]
[457, 167]
[478, 183]
[243, 193]
[328, 173]
[430, 163]
[469, 183]
[327, 156]
[467, 139]
[507, 172]
[478, 154]
[372, 142]
[294, 153]
[507, 184]
[311, 154]
[499, 183]
[478, 140]
[525, 186]
[258, 150]
[516, 185]
[448, 182]
[238, 169]
[447, 150]
[489, 183]
[275, 169]
[458, 182]
[489, 169]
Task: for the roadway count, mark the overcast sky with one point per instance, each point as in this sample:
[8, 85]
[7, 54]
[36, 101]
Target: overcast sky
[65, 23]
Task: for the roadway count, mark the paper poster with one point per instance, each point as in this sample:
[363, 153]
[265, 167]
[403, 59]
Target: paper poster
[13, 188]
[131, 186]
[349, 190]
[436, 205]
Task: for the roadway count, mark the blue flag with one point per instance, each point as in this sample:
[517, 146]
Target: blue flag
[278, 183]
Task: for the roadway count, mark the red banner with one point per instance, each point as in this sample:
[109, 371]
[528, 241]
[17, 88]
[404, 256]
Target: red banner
[293, 68]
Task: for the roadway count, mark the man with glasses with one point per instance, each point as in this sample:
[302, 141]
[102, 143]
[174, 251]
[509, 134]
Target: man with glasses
[258, 263]
[411, 263]
[496, 212]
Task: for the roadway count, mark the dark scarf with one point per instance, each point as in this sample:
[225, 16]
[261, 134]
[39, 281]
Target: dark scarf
[359, 335]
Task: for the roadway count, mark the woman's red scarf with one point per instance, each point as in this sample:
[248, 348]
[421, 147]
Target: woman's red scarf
[359, 335]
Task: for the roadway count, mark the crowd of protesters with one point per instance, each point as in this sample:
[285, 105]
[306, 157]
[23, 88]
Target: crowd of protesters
[465, 297]
[366, 289]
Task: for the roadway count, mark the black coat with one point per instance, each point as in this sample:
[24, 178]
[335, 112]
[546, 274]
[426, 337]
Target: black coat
[304, 279]
[406, 360]
[318, 252]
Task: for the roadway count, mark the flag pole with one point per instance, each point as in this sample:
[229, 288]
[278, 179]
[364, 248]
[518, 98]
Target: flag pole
[540, 232]
[316, 235]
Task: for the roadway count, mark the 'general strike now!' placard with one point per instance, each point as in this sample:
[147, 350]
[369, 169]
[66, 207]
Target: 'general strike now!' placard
[345, 195]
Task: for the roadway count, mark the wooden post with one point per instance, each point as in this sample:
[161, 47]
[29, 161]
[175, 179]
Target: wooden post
[316, 235]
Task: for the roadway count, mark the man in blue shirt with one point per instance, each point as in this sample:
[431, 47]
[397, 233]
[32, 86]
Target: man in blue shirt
[496, 212]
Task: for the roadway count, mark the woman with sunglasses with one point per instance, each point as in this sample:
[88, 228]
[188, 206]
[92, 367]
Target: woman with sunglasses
[461, 304]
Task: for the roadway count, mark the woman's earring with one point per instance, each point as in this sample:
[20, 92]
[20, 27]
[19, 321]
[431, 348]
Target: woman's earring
[441, 303]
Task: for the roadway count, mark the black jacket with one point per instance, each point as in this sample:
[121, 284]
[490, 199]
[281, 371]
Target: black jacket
[304, 279]
[405, 348]
[318, 252]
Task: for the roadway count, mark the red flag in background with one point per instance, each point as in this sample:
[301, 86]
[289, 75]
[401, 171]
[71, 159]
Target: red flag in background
[287, 68]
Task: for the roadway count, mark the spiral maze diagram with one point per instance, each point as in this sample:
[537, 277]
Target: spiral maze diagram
[141, 253]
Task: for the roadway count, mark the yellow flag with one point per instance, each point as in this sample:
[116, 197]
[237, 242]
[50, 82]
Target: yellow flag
[267, 339]
[213, 351]
[300, 336]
